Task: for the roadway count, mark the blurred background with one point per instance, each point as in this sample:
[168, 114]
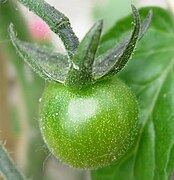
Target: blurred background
[21, 89]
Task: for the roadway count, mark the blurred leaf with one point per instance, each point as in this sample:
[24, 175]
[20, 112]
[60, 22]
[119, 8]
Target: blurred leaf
[111, 10]
[31, 89]
[151, 76]
[15, 123]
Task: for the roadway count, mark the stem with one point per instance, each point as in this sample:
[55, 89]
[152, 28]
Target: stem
[80, 74]
[7, 167]
[5, 123]
[57, 22]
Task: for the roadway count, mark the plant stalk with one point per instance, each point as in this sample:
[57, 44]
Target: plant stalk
[7, 167]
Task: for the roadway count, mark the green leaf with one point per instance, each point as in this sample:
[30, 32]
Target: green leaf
[7, 166]
[150, 74]
[51, 66]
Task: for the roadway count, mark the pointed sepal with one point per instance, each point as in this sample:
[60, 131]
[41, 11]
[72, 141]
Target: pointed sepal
[115, 59]
[57, 22]
[80, 74]
[51, 66]
[145, 25]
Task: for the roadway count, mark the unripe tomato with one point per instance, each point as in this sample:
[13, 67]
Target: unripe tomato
[91, 127]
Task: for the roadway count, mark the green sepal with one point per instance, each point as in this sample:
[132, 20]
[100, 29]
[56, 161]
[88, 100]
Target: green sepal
[57, 22]
[51, 66]
[145, 25]
[80, 74]
[115, 59]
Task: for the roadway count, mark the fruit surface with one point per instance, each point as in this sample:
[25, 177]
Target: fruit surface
[91, 127]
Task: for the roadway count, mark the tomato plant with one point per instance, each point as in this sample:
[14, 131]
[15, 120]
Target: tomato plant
[76, 82]
[88, 117]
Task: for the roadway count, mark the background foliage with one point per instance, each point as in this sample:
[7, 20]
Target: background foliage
[150, 75]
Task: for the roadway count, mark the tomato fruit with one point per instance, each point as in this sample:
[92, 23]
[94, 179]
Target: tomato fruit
[90, 127]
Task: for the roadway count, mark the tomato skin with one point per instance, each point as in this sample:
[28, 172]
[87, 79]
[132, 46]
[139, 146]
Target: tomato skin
[91, 127]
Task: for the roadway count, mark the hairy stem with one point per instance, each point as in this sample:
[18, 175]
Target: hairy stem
[5, 123]
[7, 167]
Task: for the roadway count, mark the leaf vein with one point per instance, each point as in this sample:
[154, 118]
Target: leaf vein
[162, 79]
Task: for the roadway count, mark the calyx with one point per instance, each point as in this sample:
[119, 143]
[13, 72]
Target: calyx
[81, 66]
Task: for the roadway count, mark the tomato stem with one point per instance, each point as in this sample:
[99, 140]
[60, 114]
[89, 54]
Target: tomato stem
[7, 166]
[80, 74]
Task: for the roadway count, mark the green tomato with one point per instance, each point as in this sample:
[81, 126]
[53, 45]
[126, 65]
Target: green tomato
[91, 127]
